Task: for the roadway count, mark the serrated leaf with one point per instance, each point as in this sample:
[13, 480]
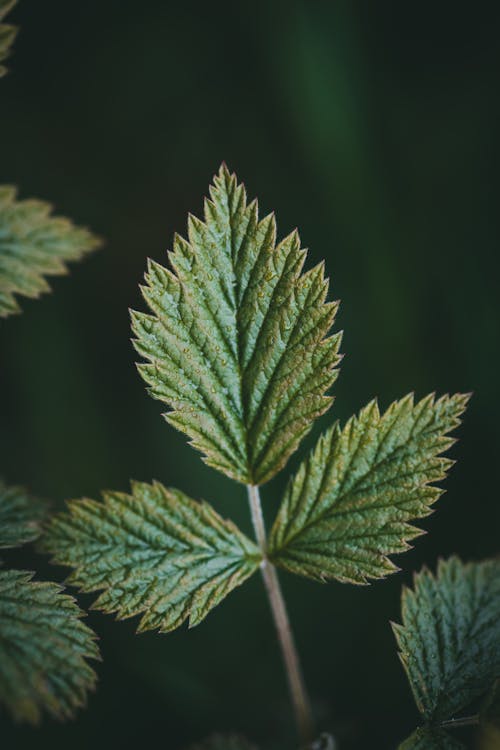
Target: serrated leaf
[7, 33]
[156, 552]
[428, 738]
[43, 649]
[449, 641]
[34, 244]
[351, 501]
[224, 742]
[236, 341]
[20, 516]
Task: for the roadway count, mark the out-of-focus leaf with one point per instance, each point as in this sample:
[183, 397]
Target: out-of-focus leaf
[7, 33]
[20, 516]
[449, 641]
[33, 245]
[237, 339]
[43, 649]
[155, 552]
[351, 502]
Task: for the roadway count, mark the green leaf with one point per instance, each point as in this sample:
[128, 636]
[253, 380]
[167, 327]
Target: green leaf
[33, 245]
[156, 552]
[236, 339]
[20, 516]
[350, 503]
[224, 742]
[43, 649]
[428, 738]
[7, 33]
[449, 641]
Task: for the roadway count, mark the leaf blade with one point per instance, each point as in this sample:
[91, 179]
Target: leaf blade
[156, 553]
[350, 504]
[449, 640]
[21, 516]
[33, 245]
[8, 33]
[236, 339]
[44, 648]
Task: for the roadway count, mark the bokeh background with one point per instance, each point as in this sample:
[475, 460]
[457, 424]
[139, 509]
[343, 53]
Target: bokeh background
[373, 127]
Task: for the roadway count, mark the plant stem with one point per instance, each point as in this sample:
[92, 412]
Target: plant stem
[464, 721]
[285, 636]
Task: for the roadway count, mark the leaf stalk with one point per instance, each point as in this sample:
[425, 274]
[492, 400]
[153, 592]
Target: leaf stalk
[300, 700]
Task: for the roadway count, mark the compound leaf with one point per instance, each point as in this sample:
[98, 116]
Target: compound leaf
[33, 245]
[155, 552]
[43, 649]
[430, 738]
[449, 641]
[236, 341]
[7, 33]
[351, 501]
[20, 516]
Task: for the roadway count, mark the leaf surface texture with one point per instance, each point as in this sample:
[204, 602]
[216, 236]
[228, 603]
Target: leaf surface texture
[155, 552]
[44, 648]
[351, 502]
[449, 640]
[236, 340]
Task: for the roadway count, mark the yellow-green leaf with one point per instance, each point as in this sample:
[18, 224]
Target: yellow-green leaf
[449, 642]
[33, 245]
[155, 552]
[44, 648]
[351, 502]
[237, 337]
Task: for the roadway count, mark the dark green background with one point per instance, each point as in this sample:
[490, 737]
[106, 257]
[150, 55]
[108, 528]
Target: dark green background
[374, 128]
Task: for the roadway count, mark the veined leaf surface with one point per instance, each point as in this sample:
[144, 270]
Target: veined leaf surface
[449, 641]
[7, 33]
[236, 340]
[43, 649]
[20, 516]
[33, 245]
[351, 501]
[155, 552]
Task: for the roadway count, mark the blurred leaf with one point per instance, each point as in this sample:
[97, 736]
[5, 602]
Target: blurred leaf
[426, 738]
[7, 33]
[156, 552]
[224, 742]
[33, 245]
[43, 648]
[449, 641]
[350, 503]
[236, 339]
[20, 516]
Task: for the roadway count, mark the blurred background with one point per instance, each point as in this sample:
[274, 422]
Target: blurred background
[373, 127]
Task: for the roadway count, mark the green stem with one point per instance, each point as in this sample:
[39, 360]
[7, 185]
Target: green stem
[298, 692]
